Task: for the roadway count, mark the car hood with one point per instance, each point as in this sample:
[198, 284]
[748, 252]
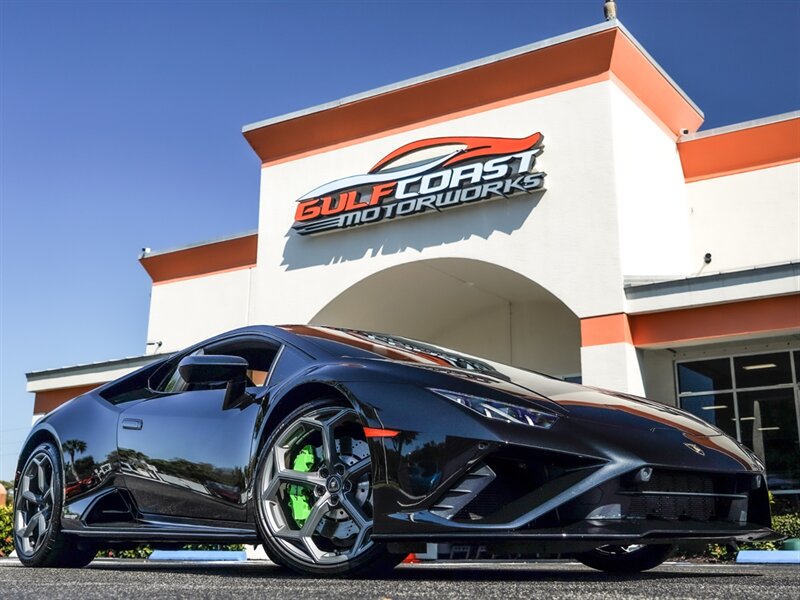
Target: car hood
[588, 404]
[583, 402]
[641, 421]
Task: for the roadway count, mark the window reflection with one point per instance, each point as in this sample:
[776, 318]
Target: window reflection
[716, 409]
[768, 423]
[757, 392]
[705, 375]
[762, 369]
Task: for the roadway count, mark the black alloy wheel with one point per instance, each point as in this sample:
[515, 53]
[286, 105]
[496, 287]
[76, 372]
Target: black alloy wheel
[38, 538]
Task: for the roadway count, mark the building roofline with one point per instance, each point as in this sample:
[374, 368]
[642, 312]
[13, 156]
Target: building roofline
[788, 116]
[374, 94]
[645, 287]
[116, 363]
[723, 151]
[432, 75]
[658, 67]
[202, 259]
[219, 240]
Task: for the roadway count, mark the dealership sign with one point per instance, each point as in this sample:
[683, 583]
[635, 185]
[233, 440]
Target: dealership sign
[423, 177]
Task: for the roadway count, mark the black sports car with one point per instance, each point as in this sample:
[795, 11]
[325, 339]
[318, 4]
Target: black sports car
[341, 451]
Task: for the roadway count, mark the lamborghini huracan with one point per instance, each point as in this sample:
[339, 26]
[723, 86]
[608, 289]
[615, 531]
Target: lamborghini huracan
[342, 451]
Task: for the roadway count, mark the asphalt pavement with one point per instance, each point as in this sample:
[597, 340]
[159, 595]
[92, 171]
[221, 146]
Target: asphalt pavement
[477, 581]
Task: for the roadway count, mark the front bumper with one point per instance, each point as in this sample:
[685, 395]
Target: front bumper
[450, 475]
[508, 491]
[581, 537]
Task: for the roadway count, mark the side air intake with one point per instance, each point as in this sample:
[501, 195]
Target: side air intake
[463, 492]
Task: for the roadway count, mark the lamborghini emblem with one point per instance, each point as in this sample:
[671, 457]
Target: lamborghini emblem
[695, 448]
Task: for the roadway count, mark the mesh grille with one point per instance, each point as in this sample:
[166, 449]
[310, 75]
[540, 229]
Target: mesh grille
[671, 481]
[673, 508]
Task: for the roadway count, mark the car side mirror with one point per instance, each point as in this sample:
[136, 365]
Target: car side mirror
[214, 368]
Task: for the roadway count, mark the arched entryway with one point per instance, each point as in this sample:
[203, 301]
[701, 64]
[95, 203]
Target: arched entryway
[467, 305]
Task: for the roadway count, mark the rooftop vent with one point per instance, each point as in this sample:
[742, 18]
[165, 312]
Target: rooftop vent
[610, 10]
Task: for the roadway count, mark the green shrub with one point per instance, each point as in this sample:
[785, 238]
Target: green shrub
[788, 525]
[7, 541]
[6, 530]
[138, 552]
[146, 551]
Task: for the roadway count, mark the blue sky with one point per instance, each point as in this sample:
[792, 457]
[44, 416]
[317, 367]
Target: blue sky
[120, 128]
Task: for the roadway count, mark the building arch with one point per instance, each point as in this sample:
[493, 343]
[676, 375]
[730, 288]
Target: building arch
[465, 304]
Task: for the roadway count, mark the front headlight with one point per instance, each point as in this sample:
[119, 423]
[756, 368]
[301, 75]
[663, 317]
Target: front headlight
[500, 411]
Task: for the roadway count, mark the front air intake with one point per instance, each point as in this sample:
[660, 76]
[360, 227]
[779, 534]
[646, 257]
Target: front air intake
[509, 483]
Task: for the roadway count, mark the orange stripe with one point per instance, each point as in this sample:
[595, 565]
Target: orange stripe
[572, 63]
[607, 329]
[371, 432]
[741, 151]
[216, 257]
[691, 434]
[765, 315]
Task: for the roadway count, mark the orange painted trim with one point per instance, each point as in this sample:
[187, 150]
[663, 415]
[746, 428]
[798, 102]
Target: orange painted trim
[476, 90]
[655, 93]
[707, 323]
[464, 113]
[741, 151]
[48, 400]
[606, 329]
[198, 261]
[643, 107]
[187, 277]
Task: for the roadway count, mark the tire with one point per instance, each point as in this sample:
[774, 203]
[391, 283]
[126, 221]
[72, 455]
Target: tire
[38, 538]
[314, 495]
[626, 559]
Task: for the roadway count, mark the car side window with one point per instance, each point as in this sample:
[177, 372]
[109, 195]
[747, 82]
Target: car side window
[167, 379]
[132, 387]
[258, 351]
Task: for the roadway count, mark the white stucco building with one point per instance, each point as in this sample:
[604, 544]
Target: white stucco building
[655, 260]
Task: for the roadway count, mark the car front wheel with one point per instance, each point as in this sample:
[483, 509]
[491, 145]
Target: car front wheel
[314, 494]
[633, 558]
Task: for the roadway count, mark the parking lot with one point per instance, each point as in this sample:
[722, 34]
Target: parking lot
[551, 580]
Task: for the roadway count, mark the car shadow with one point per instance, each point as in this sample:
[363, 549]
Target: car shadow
[480, 572]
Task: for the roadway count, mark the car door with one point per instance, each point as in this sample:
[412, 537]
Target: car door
[183, 453]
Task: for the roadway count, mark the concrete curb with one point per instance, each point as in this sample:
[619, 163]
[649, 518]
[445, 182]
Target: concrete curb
[791, 557]
[199, 555]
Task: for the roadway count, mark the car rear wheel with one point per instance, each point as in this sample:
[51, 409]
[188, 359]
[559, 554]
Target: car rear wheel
[38, 538]
[314, 494]
[633, 558]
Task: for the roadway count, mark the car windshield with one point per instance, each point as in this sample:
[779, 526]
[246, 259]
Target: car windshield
[355, 343]
[364, 344]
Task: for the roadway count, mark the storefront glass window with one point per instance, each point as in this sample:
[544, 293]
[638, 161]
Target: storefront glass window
[754, 398]
[705, 375]
[768, 422]
[717, 409]
[763, 369]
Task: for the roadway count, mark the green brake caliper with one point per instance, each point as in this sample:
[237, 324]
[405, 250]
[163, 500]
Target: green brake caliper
[301, 499]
